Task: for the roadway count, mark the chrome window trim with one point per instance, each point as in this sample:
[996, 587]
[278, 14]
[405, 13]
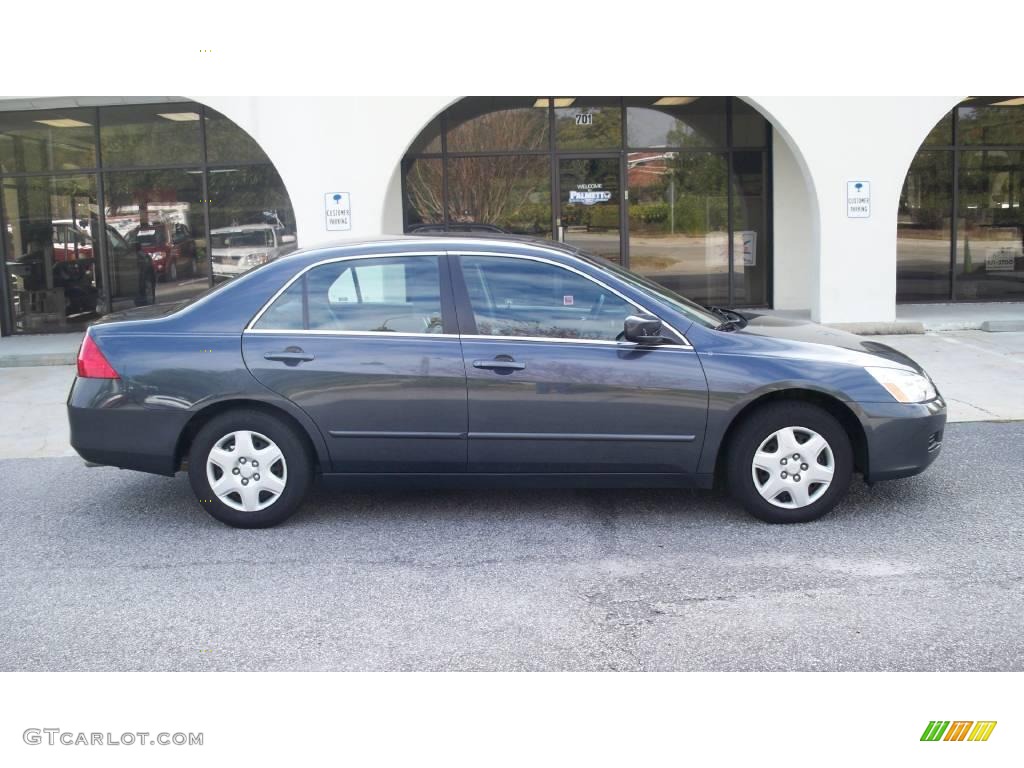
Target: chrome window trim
[320, 332]
[682, 340]
[621, 344]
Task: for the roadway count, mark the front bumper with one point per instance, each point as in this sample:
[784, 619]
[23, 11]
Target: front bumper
[903, 439]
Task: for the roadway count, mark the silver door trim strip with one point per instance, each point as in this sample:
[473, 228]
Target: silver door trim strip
[581, 436]
[403, 435]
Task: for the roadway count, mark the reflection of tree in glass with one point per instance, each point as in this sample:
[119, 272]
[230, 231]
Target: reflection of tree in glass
[423, 188]
[604, 132]
[508, 129]
[508, 191]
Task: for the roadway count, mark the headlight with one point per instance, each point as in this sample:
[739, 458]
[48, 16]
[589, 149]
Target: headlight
[905, 386]
[252, 259]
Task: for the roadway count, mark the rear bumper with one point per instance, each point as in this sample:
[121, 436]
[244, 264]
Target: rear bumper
[903, 439]
[108, 428]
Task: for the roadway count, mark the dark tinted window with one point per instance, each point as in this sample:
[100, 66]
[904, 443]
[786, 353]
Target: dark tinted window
[520, 297]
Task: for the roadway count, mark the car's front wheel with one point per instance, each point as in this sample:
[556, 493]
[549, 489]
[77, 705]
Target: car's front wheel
[249, 469]
[789, 462]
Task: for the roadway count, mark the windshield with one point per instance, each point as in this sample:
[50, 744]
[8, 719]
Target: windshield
[685, 306]
[241, 239]
[150, 237]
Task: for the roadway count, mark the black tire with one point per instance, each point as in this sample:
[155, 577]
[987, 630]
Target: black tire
[296, 457]
[761, 425]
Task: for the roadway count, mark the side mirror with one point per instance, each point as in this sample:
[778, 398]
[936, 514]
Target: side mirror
[642, 329]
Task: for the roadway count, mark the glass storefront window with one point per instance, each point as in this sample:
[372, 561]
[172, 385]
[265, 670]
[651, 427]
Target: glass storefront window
[227, 143]
[47, 140]
[160, 215]
[150, 134]
[588, 124]
[749, 128]
[52, 251]
[590, 201]
[487, 125]
[678, 222]
[676, 121]
[509, 192]
[424, 192]
[990, 242]
[641, 181]
[989, 120]
[923, 228]
[67, 261]
[251, 220]
[749, 211]
[978, 254]
[942, 133]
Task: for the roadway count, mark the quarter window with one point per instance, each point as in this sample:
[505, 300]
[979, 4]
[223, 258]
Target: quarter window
[521, 297]
[386, 295]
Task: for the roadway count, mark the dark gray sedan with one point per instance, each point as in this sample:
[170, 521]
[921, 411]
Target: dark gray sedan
[479, 361]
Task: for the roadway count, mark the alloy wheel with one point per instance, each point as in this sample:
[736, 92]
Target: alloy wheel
[246, 470]
[793, 467]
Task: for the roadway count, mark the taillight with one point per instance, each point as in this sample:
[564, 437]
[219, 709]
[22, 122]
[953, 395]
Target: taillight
[91, 362]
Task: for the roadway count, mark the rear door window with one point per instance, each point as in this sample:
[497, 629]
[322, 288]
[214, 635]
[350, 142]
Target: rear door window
[385, 295]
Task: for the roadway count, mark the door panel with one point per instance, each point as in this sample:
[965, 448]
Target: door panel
[384, 404]
[359, 344]
[551, 390]
[576, 407]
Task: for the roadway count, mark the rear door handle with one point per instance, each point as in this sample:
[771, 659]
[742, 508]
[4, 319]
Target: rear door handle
[499, 365]
[291, 356]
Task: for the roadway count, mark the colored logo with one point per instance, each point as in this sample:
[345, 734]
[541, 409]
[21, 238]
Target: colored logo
[958, 730]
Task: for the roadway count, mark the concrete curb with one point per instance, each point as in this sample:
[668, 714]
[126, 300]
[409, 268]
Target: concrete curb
[33, 361]
[1002, 326]
[897, 328]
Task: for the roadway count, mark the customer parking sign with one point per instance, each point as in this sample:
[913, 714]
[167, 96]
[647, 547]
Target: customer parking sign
[337, 211]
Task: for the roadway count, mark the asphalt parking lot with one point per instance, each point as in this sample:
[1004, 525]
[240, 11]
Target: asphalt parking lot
[108, 570]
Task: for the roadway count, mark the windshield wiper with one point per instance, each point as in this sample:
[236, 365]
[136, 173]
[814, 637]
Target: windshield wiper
[731, 319]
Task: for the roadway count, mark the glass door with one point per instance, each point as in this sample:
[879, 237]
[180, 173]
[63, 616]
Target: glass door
[590, 204]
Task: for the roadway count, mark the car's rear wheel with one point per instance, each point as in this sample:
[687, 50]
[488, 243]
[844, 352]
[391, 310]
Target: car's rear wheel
[789, 462]
[249, 469]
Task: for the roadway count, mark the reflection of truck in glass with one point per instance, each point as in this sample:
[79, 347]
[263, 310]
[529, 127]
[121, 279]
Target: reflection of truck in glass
[238, 249]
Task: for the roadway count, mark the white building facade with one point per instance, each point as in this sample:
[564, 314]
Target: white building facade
[846, 207]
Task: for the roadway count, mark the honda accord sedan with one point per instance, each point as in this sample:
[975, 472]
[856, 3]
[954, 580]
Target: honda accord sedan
[476, 361]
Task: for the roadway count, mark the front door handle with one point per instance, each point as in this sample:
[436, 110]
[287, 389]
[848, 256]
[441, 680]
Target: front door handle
[499, 365]
[290, 356]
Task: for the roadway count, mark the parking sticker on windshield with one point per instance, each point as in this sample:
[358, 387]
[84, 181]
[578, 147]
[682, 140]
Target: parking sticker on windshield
[567, 301]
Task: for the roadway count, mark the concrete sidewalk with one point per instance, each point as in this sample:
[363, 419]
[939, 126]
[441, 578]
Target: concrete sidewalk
[924, 318]
[980, 374]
